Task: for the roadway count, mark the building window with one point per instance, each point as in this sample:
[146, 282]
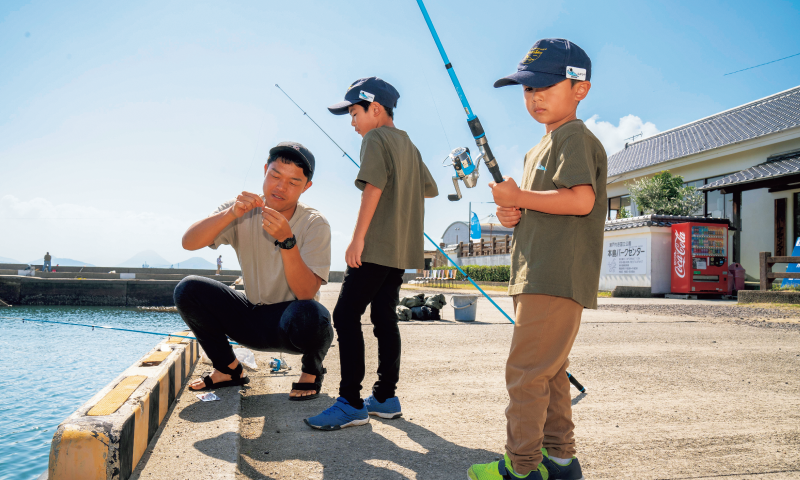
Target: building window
[715, 204]
[613, 207]
[615, 204]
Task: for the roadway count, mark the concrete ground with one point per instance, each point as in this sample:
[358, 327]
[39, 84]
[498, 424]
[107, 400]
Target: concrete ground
[669, 396]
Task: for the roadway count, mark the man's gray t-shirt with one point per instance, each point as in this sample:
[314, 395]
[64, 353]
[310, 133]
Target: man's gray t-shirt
[262, 266]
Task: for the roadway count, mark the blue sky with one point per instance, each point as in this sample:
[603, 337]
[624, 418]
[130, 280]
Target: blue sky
[123, 123]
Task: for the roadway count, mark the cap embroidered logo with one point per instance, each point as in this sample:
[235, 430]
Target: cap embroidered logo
[576, 73]
[296, 147]
[366, 96]
[533, 55]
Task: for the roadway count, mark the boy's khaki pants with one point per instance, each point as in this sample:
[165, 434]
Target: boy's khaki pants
[540, 409]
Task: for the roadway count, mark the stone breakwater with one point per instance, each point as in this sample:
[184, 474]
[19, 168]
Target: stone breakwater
[107, 293]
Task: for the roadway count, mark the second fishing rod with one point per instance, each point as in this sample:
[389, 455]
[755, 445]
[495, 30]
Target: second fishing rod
[572, 379]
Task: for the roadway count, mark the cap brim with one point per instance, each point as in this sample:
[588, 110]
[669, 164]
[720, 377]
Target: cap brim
[530, 79]
[341, 108]
[276, 150]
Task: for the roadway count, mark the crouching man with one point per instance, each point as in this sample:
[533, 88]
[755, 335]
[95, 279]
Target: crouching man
[284, 249]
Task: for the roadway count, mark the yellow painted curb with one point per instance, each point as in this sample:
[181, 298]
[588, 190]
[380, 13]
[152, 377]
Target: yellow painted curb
[107, 436]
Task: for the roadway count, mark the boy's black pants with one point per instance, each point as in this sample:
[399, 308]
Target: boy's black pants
[215, 312]
[380, 286]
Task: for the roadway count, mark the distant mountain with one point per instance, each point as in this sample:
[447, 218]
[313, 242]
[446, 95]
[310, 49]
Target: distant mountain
[149, 257]
[8, 260]
[64, 262]
[196, 263]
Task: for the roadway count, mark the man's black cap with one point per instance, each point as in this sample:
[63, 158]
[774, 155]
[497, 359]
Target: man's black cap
[549, 61]
[370, 89]
[297, 150]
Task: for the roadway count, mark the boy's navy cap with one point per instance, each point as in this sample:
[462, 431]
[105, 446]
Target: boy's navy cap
[298, 150]
[370, 89]
[549, 61]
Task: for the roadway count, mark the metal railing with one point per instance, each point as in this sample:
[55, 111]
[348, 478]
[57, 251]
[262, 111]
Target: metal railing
[493, 247]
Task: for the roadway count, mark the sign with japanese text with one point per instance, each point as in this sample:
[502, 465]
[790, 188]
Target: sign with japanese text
[625, 257]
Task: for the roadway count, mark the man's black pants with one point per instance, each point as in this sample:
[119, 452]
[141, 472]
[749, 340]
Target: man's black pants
[215, 311]
[380, 286]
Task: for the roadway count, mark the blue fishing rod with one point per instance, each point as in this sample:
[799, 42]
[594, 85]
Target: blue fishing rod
[571, 378]
[466, 169]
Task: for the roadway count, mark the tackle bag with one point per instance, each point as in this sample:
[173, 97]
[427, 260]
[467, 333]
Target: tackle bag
[403, 313]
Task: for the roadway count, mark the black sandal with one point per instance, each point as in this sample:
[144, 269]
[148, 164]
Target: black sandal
[317, 385]
[236, 379]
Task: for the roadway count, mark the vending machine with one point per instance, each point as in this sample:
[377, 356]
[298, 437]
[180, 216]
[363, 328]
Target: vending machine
[700, 258]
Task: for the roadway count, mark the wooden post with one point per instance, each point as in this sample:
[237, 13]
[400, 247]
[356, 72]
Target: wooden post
[507, 248]
[460, 252]
[482, 248]
[765, 269]
[494, 245]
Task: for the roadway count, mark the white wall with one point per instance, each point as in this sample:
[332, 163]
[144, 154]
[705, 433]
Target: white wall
[657, 274]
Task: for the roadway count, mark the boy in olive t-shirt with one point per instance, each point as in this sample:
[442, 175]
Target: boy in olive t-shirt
[388, 239]
[558, 214]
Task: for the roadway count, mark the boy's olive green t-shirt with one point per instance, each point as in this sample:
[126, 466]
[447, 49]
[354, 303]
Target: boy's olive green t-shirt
[560, 255]
[390, 162]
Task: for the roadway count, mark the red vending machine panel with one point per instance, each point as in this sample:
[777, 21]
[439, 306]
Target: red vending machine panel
[700, 258]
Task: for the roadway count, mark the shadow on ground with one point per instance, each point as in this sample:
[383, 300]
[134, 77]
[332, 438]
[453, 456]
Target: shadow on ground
[382, 449]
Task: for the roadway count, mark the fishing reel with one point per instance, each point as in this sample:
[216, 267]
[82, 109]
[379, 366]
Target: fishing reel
[466, 169]
[278, 365]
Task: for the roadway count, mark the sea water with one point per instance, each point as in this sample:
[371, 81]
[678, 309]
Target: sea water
[47, 371]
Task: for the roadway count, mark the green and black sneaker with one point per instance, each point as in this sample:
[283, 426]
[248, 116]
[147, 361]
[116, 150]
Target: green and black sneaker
[570, 471]
[499, 471]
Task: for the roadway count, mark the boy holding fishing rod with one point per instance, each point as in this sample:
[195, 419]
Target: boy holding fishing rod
[388, 239]
[558, 215]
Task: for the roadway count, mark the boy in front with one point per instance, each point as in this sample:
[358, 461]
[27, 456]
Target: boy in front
[558, 216]
[388, 239]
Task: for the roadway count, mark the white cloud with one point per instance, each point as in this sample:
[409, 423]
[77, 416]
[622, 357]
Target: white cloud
[99, 235]
[614, 137]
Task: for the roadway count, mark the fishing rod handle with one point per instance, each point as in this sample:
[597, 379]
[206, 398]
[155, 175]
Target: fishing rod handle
[483, 145]
[575, 382]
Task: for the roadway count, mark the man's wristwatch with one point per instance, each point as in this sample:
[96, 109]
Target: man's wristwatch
[287, 244]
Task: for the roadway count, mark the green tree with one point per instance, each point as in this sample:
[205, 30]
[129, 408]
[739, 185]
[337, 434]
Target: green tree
[665, 194]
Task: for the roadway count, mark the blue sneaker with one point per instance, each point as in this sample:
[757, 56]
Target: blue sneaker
[338, 416]
[570, 471]
[388, 409]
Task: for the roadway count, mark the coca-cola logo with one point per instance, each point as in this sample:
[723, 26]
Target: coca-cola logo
[679, 257]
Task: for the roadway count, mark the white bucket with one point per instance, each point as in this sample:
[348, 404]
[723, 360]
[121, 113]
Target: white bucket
[465, 307]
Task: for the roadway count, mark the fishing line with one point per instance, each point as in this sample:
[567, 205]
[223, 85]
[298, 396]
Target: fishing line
[437, 114]
[320, 128]
[426, 235]
[105, 327]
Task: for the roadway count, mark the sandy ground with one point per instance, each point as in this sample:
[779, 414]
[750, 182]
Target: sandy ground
[668, 397]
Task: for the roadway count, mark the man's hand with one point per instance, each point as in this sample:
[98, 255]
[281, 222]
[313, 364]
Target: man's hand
[353, 254]
[508, 216]
[275, 224]
[246, 202]
[505, 194]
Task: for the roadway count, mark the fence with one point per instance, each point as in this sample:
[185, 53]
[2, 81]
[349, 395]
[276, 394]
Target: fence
[766, 261]
[497, 246]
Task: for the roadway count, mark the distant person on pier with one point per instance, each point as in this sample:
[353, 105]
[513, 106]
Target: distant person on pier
[46, 266]
[219, 264]
[284, 248]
